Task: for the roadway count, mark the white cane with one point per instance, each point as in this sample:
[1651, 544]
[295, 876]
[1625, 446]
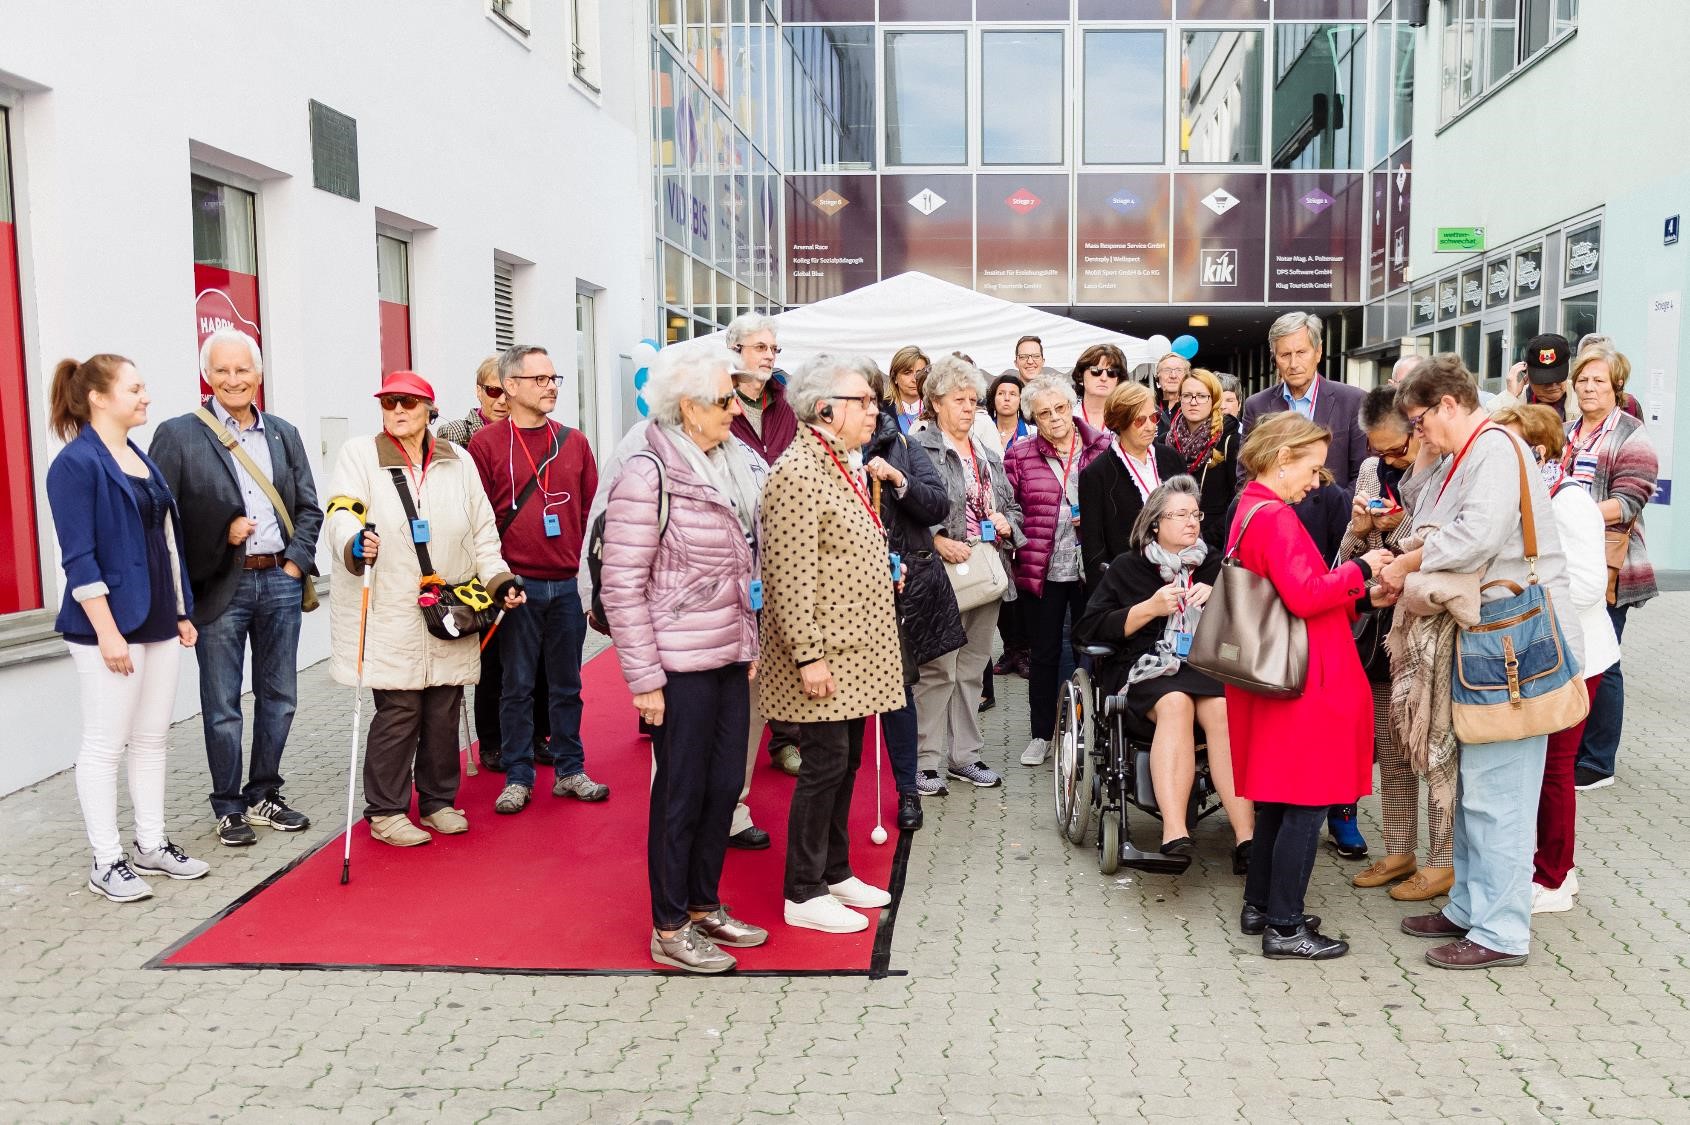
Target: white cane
[357, 712]
[879, 833]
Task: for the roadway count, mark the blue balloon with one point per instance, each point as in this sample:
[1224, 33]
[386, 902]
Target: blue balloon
[639, 403]
[1185, 346]
[640, 378]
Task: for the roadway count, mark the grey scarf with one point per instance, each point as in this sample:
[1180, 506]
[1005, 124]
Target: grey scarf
[724, 469]
[1164, 659]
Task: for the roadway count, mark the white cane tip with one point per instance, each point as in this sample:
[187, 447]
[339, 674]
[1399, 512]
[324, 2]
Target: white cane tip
[878, 835]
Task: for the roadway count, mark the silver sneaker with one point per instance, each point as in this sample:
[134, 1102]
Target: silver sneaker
[168, 859]
[581, 787]
[118, 882]
[929, 784]
[724, 929]
[689, 949]
[976, 773]
[513, 798]
[1036, 753]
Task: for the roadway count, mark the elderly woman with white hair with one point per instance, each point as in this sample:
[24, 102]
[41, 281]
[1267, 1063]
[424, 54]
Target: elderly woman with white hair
[981, 508]
[680, 589]
[829, 632]
[1044, 475]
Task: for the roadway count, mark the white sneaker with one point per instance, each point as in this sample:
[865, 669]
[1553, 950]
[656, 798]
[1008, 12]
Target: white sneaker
[168, 859]
[118, 882]
[855, 892]
[1036, 753]
[1571, 886]
[825, 913]
[1547, 900]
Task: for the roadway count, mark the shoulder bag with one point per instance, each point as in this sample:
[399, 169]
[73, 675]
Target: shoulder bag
[1514, 674]
[450, 609]
[983, 578]
[308, 587]
[1246, 637]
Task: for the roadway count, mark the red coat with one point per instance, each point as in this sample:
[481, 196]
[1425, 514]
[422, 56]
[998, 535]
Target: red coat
[1316, 749]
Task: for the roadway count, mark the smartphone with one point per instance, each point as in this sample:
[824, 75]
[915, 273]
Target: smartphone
[1378, 505]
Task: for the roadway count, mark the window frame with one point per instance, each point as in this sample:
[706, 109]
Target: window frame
[1264, 121]
[970, 96]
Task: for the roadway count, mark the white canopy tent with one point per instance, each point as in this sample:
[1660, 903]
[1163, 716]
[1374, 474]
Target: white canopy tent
[939, 317]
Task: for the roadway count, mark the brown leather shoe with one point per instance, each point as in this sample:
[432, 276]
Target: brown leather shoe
[1432, 925]
[1426, 884]
[1386, 870]
[1464, 954]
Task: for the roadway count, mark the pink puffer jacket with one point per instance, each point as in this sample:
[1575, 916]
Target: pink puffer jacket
[1041, 499]
[681, 603]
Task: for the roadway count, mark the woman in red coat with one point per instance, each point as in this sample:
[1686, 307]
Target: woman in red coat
[1296, 757]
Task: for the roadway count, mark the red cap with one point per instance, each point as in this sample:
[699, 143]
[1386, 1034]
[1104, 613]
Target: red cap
[405, 383]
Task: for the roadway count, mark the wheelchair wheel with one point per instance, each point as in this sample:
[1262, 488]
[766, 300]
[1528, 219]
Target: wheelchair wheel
[1109, 841]
[1068, 748]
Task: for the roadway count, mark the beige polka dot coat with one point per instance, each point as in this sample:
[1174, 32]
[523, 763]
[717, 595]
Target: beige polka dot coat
[827, 584]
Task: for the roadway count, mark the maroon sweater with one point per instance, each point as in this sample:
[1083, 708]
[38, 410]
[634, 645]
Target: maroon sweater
[571, 480]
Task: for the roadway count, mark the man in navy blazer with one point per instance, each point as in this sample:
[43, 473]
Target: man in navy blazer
[248, 578]
[1295, 340]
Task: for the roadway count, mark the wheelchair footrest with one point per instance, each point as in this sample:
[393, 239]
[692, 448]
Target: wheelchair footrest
[1153, 862]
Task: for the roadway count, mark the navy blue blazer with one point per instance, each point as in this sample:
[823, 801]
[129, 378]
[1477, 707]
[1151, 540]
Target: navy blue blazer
[101, 540]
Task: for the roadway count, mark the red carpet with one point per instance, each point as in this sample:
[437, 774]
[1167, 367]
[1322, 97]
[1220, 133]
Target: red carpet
[558, 888]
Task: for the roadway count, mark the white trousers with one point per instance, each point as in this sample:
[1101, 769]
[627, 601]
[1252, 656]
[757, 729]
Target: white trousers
[124, 712]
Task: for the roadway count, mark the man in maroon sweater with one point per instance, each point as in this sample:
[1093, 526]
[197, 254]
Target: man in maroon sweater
[542, 534]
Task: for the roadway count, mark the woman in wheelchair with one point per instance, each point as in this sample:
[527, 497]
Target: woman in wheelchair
[1147, 606]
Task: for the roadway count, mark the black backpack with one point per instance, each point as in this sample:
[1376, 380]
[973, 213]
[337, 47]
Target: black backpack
[595, 543]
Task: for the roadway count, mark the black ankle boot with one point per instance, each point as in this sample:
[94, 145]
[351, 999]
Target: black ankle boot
[1252, 921]
[1305, 943]
[909, 812]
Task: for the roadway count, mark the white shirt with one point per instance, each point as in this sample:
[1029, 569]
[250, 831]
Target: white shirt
[1580, 523]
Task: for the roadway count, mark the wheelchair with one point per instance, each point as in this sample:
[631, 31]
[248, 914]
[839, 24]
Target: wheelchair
[1102, 769]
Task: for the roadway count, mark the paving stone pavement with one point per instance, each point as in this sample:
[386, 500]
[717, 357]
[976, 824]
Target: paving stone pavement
[1037, 989]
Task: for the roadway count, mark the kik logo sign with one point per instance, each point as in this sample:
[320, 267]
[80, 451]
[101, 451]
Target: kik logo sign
[1219, 267]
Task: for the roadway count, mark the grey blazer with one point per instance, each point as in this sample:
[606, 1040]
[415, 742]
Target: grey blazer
[201, 475]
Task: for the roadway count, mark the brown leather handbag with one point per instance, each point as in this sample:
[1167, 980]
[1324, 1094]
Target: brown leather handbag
[1246, 637]
[1615, 542]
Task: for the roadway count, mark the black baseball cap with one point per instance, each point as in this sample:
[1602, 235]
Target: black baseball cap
[1546, 359]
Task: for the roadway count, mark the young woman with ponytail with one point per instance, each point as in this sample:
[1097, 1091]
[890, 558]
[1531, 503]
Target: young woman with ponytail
[1206, 438]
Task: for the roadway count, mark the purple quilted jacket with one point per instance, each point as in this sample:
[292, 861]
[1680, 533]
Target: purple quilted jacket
[681, 603]
[1040, 495]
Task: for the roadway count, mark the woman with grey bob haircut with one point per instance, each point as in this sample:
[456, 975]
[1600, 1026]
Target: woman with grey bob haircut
[810, 387]
[947, 374]
[1043, 387]
[1150, 516]
[685, 374]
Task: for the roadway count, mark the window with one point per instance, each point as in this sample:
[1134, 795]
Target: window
[1484, 41]
[1546, 21]
[20, 564]
[504, 305]
[1022, 92]
[1221, 97]
[926, 97]
[1318, 74]
[584, 42]
[225, 261]
[1125, 99]
[830, 115]
[393, 286]
[586, 363]
[512, 15]
[1578, 317]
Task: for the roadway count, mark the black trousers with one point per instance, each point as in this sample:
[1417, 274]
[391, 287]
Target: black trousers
[700, 754]
[413, 737]
[781, 734]
[1048, 618]
[487, 694]
[1282, 859]
[818, 846]
[1012, 624]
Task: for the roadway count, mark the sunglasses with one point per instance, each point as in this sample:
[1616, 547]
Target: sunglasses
[400, 402]
[1147, 420]
[724, 402]
[491, 390]
[1106, 372]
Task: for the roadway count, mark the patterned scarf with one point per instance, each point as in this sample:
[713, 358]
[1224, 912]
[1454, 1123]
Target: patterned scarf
[1164, 659]
[1192, 443]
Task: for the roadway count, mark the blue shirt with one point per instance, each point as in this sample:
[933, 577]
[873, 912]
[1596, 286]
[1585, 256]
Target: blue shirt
[266, 539]
[1304, 405]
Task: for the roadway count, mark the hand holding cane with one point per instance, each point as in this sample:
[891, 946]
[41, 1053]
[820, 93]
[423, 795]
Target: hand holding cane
[357, 709]
[516, 580]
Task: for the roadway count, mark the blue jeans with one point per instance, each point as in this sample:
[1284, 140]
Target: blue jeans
[551, 623]
[265, 609]
[1495, 838]
[1601, 745]
[899, 729]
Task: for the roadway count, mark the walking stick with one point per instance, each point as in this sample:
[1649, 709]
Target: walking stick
[357, 712]
[469, 750]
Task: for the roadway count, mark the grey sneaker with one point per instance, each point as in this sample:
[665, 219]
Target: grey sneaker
[724, 929]
[689, 949]
[168, 859]
[929, 784]
[1036, 753]
[581, 787]
[976, 773]
[118, 882]
[513, 798]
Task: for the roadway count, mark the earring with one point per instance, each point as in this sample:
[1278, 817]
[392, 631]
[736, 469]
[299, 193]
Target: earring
[1282, 474]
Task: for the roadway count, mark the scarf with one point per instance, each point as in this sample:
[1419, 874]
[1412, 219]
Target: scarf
[1164, 658]
[1194, 444]
[724, 469]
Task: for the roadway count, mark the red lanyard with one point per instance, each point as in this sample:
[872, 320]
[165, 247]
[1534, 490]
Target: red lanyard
[1068, 465]
[546, 480]
[1314, 397]
[852, 481]
[428, 459]
[1456, 464]
[1586, 447]
[974, 476]
[1138, 477]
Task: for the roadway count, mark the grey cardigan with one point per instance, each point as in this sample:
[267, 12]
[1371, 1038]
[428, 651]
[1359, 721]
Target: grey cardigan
[955, 474]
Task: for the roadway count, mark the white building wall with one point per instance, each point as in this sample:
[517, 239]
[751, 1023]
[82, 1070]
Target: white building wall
[481, 142]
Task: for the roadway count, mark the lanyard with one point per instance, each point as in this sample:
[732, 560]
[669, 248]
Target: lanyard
[1138, 478]
[852, 481]
[544, 467]
[974, 476]
[1601, 431]
[1068, 465]
[1456, 464]
[427, 460]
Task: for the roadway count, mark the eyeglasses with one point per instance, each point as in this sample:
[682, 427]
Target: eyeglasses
[537, 380]
[1019, 358]
[1061, 411]
[867, 402]
[772, 349]
[724, 402]
[1399, 451]
[1415, 420]
[1199, 396]
[1184, 517]
[918, 372]
[1106, 372]
[400, 402]
[491, 390]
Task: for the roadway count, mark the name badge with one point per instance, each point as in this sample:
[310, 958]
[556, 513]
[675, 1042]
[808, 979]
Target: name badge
[1074, 511]
[756, 594]
[897, 566]
[988, 531]
[419, 531]
[553, 527]
[1182, 645]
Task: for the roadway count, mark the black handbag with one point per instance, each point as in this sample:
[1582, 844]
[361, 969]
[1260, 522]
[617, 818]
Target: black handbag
[450, 610]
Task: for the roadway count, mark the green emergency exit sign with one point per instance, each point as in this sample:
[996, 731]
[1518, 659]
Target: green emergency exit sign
[1460, 239]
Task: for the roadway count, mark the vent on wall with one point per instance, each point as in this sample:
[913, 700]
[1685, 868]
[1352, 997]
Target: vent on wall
[504, 306]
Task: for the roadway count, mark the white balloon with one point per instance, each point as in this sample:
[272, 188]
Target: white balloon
[642, 354]
[1161, 345]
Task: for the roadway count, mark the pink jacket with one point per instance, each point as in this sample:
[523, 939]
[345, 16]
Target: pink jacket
[681, 603]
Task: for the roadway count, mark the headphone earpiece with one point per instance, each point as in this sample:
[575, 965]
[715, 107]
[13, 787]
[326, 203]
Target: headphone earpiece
[433, 414]
[825, 413]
